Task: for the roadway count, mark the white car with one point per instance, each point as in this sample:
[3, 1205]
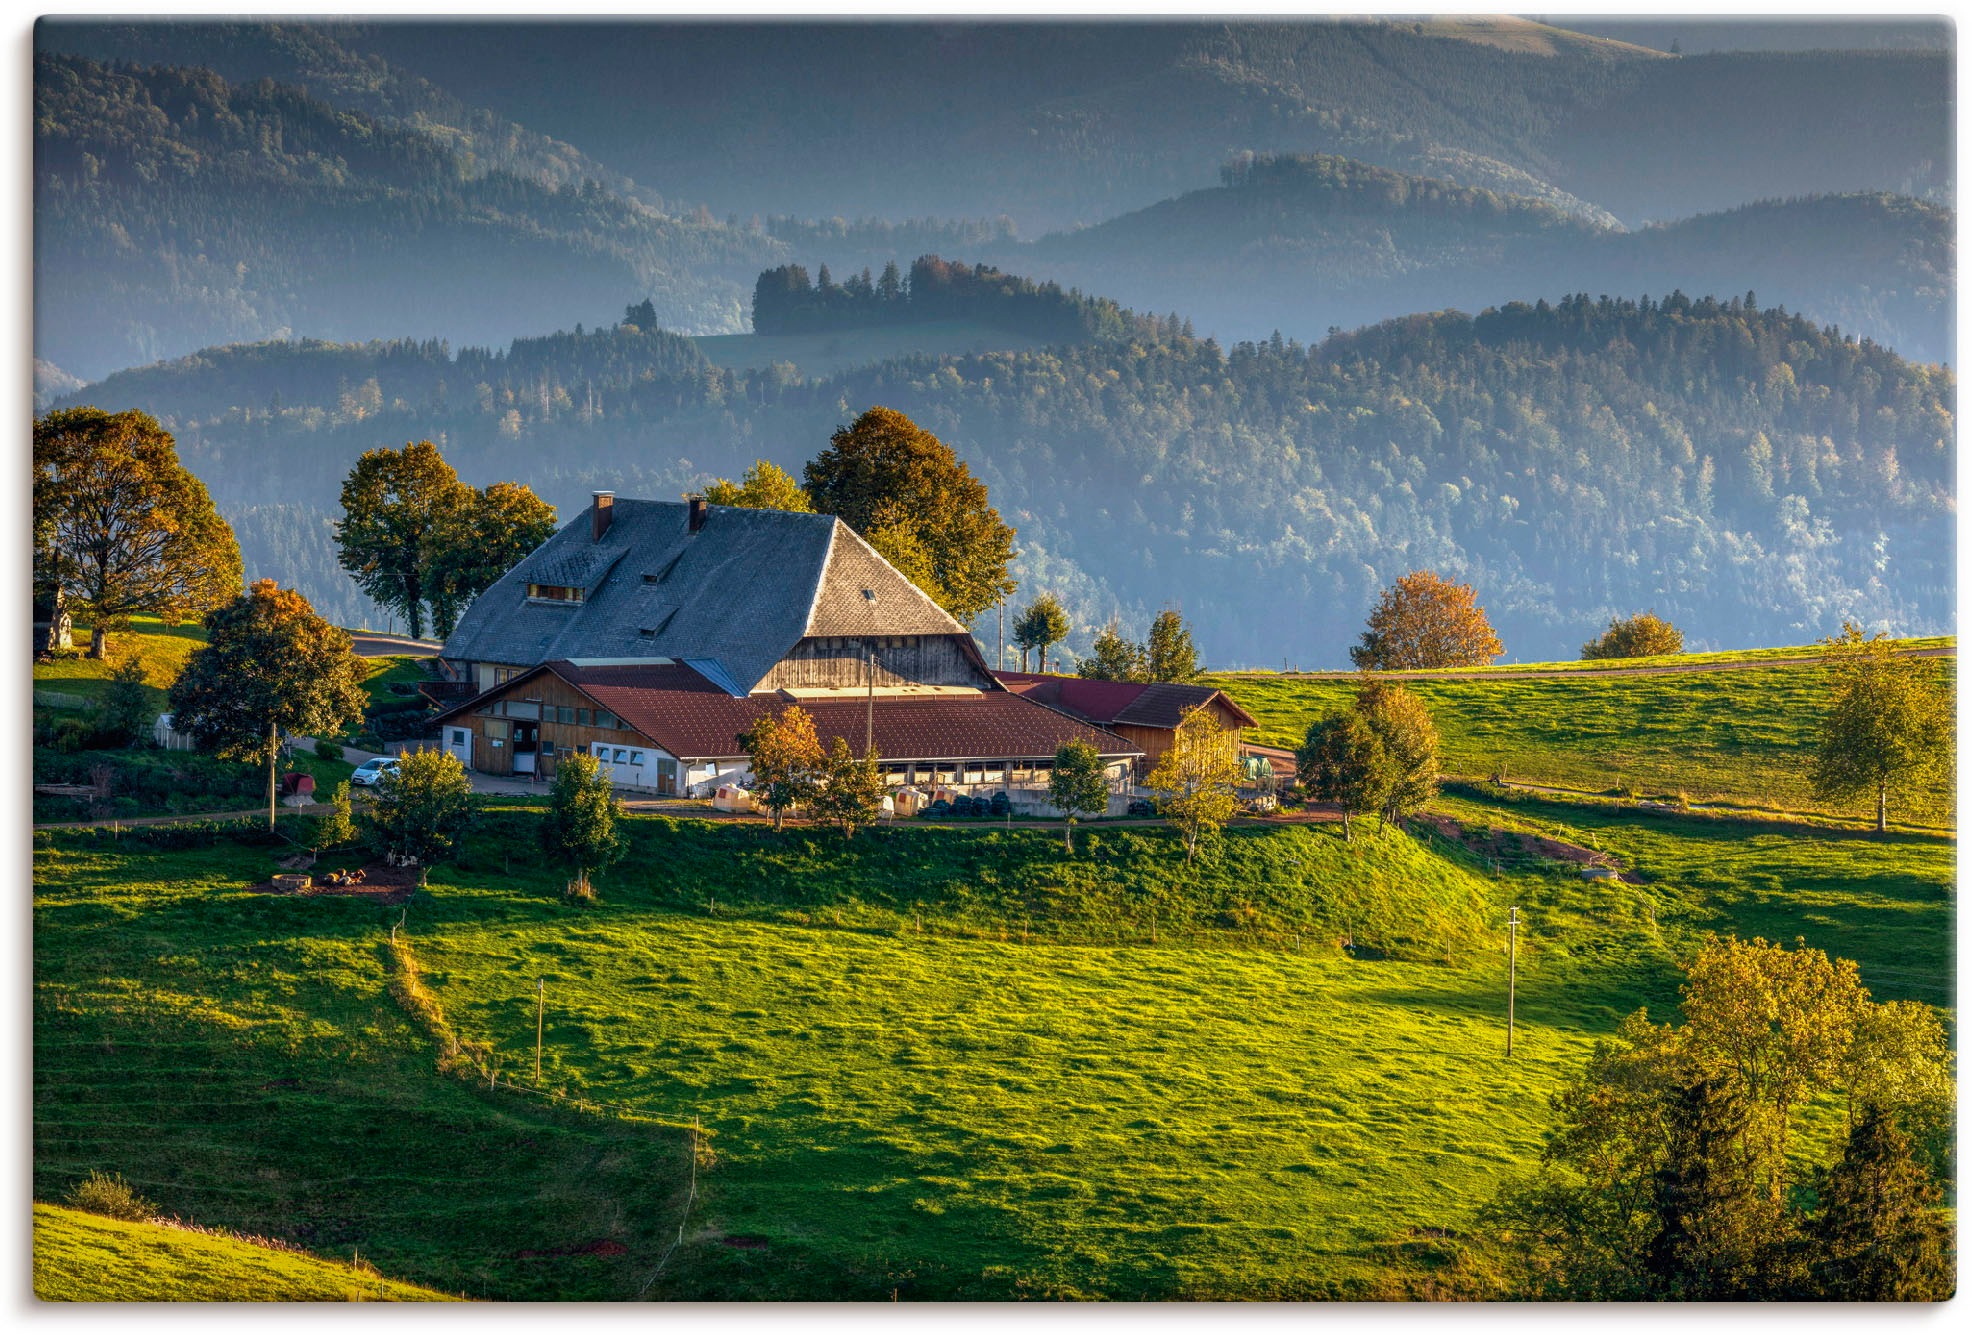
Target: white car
[374, 771]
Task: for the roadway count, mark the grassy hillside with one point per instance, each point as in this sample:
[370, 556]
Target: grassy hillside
[1093, 1107]
[1742, 737]
[83, 1258]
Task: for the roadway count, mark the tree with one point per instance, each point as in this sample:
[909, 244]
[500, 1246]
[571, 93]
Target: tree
[787, 759]
[396, 507]
[1423, 621]
[1669, 1171]
[1077, 785]
[335, 826]
[1168, 652]
[476, 543]
[1342, 760]
[422, 812]
[1717, 1236]
[1410, 746]
[1196, 777]
[764, 486]
[126, 705]
[269, 665]
[1635, 637]
[1889, 721]
[121, 528]
[894, 482]
[1041, 625]
[579, 826]
[1879, 1235]
[1115, 657]
[849, 791]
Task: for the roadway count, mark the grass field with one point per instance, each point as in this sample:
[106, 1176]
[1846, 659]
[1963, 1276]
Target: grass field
[1225, 1111]
[83, 1258]
[1744, 737]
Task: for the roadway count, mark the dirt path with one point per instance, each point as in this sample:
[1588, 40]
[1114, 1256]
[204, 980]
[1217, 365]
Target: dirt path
[177, 818]
[1646, 670]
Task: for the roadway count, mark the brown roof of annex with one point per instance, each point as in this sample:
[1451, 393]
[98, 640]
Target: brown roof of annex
[687, 715]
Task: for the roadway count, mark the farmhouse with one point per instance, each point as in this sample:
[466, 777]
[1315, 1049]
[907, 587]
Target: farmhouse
[652, 634]
[1146, 714]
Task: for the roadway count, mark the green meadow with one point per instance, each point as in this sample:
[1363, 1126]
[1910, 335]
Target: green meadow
[1741, 737]
[83, 1258]
[920, 1068]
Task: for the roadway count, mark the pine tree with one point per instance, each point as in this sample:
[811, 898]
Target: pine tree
[1168, 651]
[1878, 1232]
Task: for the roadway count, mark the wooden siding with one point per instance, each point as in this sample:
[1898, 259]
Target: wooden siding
[1156, 741]
[553, 695]
[839, 661]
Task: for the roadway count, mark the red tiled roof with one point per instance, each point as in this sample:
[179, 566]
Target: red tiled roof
[1141, 704]
[689, 717]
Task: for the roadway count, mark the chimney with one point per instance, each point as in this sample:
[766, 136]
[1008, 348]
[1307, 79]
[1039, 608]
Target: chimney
[600, 515]
[695, 517]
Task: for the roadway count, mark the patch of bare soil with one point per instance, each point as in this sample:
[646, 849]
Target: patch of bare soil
[1493, 842]
[381, 883]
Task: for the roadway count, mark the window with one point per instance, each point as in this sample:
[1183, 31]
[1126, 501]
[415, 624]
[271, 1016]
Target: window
[547, 747]
[620, 753]
[604, 719]
[564, 714]
[458, 737]
[636, 758]
[582, 717]
[555, 593]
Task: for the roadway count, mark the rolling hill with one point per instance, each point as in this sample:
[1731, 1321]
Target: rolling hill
[1305, 244]
[1749, 474]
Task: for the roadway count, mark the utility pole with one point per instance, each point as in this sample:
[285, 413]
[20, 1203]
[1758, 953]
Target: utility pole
[869, 709]
[540, 1000]
[1512, 971]
[1000, 664]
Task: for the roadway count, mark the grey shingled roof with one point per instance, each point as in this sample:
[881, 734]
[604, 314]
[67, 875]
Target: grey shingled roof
[737, 595]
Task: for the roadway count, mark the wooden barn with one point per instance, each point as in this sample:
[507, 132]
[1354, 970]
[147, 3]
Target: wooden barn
[652, 634]
[1146, 714]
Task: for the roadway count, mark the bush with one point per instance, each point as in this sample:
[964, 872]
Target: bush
[368, 742]
[328, 750]
[1637, 637]
[108, 1194]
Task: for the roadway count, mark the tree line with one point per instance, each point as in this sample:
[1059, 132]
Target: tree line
[785, 301]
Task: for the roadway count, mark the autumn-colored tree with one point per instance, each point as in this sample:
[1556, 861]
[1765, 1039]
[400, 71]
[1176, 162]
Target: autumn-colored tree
[1169, 655]
[849, 789]
[1196, 778]
[787, 759]
[1113, 658]
[1424, 621]
[1889, 721]
[765, 486]
[1077, 785]
[121, 529]
[1671, 1172]
[1635, 637]
[396, 505]
[908, 494]
[475, 543]
[579, 826]
[1410, 746]
[269, 665]
[1042, 624]
[421, 813]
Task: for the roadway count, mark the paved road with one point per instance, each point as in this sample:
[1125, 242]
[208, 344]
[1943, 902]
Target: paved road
[1645, 670]
[373, 646]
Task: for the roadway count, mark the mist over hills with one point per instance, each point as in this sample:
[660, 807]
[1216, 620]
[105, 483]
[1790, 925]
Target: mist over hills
[1747, 473]
[331, 237]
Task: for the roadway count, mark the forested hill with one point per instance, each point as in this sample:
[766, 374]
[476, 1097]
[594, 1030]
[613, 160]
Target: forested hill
[175, 210]
[1066, 123]
[1303, 244]
[1751, 475]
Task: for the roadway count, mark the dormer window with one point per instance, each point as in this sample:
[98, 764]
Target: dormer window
[555, 593]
